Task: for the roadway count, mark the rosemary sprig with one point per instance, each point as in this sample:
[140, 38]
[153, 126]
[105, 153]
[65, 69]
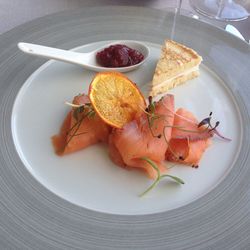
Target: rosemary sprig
[91, 114]
[152, 117]
[177, 179]
[159, 176]
[77, 122]
[79, 113]
[150, 128]
[75, 132]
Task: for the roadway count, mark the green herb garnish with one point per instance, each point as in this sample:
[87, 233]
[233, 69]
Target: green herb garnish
[159, 176]
[79, 114]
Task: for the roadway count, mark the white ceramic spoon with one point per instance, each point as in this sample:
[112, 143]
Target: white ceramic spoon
[86, 60]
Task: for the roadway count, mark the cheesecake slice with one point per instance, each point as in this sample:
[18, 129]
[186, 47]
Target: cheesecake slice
[176, 65]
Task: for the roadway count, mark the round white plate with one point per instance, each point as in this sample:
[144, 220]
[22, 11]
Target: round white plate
[89, 178]
[84, 201]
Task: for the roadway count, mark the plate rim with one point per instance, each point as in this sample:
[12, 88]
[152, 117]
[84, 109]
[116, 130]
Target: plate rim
[78, 212]
[45, 66]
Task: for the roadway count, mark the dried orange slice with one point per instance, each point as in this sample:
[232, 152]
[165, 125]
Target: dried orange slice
[115, 98]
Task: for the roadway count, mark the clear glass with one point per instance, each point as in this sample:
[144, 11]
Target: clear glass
[225, 10]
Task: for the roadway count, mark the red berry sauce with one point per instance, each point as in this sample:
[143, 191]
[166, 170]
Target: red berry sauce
[118, 55]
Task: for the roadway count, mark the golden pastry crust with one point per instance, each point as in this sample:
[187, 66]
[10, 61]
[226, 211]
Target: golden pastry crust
[172, 84]
[175, 59]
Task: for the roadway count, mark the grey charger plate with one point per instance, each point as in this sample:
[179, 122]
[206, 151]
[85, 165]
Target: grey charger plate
[32, 217]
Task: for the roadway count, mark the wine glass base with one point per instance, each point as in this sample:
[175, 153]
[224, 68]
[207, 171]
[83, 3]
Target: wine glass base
[220, 10]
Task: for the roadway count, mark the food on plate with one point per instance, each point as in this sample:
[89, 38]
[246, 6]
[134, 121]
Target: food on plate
[81, 128]
[187, 152]
[144, 136]
[187, 126]
[140, 135]
[115, 98]
[119, 55]
[176, 65]
[188, 140]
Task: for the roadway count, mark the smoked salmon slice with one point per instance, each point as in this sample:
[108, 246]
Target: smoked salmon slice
[188, 141]
[157, 133]
[80, 129]
[187, 152]
[146, 136]
[186, 126]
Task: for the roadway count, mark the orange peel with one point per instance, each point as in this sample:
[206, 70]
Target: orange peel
[115, 98]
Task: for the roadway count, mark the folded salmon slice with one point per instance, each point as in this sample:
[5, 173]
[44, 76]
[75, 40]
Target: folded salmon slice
[187, 152]
[80, 129]
[143, 137]
[186, 126]
[188, 141]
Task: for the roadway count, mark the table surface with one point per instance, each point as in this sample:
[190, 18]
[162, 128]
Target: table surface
[16, 12]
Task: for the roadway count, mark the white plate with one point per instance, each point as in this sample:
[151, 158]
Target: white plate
[33, 217]
[88, 178]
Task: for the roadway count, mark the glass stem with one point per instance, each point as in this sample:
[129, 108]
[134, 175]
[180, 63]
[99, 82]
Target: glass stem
[177, 13]
[221, 4]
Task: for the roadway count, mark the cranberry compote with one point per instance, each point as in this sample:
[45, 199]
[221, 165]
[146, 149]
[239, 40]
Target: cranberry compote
[118, 55]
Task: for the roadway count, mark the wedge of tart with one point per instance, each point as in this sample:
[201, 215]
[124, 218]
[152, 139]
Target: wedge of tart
[176, 65]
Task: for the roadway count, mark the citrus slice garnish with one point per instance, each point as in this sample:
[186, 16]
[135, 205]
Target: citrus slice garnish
[115, 98]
